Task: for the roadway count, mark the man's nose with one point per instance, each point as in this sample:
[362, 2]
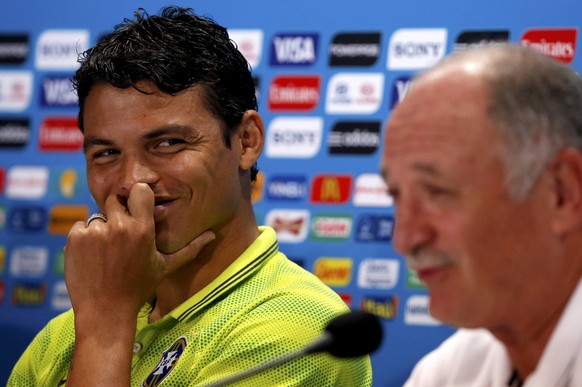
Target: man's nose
[412, 228]
[137, 170]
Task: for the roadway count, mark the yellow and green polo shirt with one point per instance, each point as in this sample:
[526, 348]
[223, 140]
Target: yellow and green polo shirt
[262, 306]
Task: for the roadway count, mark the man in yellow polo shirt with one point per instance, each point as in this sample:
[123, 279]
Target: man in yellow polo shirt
[172, 281]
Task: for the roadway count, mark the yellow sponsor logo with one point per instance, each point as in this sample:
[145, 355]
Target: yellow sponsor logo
[68, 182]
[330, 190]
[385, 307]
[334, 271]
[257, 188]
[62, 217]
[2, 258]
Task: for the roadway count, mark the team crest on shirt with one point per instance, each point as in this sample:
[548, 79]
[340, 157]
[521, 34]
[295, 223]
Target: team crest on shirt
[166, 364]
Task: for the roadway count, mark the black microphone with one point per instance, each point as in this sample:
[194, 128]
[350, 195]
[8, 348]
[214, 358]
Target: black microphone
[351, 334]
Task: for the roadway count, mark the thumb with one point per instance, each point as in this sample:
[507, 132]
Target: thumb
[187, 253]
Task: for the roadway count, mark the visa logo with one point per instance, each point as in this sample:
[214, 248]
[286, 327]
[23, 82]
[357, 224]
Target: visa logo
[58, 91]
[296, 49]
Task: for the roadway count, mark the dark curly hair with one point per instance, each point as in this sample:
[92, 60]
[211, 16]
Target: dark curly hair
[175, 50]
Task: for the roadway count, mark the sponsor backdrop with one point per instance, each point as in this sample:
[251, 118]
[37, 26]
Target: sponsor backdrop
[327, 73]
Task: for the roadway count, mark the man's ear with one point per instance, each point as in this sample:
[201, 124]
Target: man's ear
[251, 135]
[566, 170]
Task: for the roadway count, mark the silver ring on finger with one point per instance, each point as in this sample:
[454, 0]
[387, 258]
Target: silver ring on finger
[96, 215]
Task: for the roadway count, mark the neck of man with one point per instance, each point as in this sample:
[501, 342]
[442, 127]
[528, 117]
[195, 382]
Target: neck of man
[231, 241]
[528, 336]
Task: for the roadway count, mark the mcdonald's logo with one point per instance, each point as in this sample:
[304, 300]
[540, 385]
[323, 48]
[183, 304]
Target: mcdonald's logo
[331, 189]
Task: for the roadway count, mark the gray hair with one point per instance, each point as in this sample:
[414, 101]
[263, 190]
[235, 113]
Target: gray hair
[537, 104]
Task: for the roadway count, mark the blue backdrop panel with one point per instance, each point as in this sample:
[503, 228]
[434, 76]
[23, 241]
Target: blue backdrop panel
[328, 74]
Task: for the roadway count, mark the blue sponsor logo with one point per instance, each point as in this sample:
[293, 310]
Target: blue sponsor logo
[27, 219]
[57, 91]
[287, 188]
[400, 88]
[374, 228]
[294, 49]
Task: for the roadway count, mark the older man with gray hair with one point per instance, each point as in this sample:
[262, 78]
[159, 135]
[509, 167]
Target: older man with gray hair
[484, 161]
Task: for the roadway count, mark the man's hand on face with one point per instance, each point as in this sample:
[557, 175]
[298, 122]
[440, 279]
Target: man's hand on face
[114, 266]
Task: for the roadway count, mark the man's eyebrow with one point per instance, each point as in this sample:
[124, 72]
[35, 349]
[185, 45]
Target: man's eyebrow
[421, 167]
[95, 141]
[169, 129]
[425, 168]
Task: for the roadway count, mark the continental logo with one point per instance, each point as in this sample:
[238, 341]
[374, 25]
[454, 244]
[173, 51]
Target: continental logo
[62, 217]
[334, 271]
[385, 307]
[29, 294]
[331, 189]
[14, 48]
[354, 49]
[472, 39]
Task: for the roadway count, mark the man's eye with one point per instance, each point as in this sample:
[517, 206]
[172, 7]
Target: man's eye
[170, 142]
[104, 153]
[436, 191]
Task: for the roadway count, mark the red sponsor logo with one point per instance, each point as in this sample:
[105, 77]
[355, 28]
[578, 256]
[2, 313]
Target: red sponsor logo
[60, 134]
[2, 180]
[347, 298]
[294, 93]
[1, 292]
[331, 189]
[559, 43]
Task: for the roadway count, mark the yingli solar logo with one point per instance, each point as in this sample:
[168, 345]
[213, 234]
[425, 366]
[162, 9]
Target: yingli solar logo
[294, 93]
[559, 44]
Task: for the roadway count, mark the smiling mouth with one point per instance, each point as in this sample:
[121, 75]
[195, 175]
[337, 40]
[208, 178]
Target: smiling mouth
[162, 202]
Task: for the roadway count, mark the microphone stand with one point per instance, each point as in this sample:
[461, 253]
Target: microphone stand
[320, 344]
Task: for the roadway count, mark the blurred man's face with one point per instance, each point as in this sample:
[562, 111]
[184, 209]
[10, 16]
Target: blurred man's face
[469, 242]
